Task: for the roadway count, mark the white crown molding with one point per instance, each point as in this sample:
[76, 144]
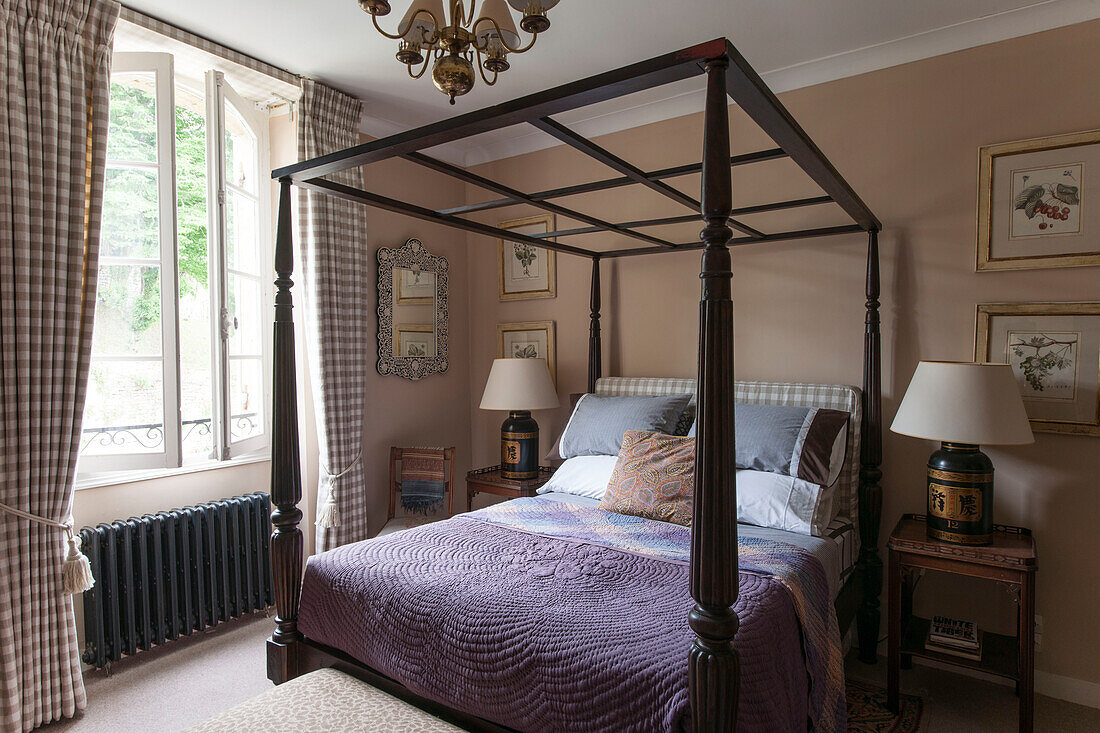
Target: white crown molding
[682, 99]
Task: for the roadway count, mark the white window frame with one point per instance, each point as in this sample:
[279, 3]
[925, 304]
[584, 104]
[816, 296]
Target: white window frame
[218, 91]
[160, 65]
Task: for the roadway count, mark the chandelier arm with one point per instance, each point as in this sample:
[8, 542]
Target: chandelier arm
[402, 36]
[500, 37]
[423, 67]
[461, 19]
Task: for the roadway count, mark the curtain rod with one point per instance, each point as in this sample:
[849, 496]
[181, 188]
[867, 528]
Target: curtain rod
[205, 44]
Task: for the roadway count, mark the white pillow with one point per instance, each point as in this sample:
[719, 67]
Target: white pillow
[582, 476]
[783, 502]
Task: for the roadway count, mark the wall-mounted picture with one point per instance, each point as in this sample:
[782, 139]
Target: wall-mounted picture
[416, 339]
[526, 271]
[1034, 205]
[415, 286]
[1054, 351]
[531, 340]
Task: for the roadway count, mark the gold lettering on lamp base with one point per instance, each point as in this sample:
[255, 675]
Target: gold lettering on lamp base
[955, 502]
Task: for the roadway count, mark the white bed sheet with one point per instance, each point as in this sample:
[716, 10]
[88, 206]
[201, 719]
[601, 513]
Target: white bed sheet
[833, 550]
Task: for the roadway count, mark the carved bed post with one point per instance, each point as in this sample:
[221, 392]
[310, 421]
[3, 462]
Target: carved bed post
[714, 667]
[286, 483]
[595, 347]
[870, 492]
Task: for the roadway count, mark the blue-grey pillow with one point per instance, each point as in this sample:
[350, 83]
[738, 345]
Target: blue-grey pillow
[804, 442]
[598, 422]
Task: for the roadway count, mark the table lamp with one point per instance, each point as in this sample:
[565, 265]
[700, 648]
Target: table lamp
[963, 405]
[519, 386]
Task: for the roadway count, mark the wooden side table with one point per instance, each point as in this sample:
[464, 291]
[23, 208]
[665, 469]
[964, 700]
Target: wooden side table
[490, 481]
[1010, 560]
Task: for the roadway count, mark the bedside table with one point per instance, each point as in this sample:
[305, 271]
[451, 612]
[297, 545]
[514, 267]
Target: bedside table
[1010, 560]
[490, 481]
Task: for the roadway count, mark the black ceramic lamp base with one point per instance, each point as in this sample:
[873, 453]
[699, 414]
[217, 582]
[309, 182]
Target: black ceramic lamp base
[519, 446]
[960, 495]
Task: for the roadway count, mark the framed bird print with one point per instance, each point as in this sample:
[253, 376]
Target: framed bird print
[1034, 205]
[529, 340]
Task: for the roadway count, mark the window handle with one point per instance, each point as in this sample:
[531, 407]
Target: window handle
[228, 323]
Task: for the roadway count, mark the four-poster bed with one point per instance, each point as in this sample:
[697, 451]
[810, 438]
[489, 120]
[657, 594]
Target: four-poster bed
[713, 667]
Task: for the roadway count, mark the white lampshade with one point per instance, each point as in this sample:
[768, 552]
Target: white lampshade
[960, 402]
[422, 26]
[498, 11]
[519, 384]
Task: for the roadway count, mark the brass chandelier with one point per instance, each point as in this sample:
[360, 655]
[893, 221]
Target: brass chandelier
[463, 43]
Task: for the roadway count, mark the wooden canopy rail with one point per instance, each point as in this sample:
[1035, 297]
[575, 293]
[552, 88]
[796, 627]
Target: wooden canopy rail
[714, 666]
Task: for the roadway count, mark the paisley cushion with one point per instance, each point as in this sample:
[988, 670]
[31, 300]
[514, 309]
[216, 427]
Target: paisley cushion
[654, 477]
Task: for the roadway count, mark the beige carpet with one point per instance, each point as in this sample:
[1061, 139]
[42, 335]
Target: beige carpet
[174, 686]
[177, 685]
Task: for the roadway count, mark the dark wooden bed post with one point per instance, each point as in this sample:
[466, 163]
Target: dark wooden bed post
[714, 667]
[286, 482]
[595, 346]
[870, 492]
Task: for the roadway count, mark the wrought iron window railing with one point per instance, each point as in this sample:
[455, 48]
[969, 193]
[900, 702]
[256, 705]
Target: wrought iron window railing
[150, 436]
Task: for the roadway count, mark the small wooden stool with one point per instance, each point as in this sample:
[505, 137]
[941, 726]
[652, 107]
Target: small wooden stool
[325, 700]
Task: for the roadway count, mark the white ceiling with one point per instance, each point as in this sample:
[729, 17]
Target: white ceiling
[793, 43]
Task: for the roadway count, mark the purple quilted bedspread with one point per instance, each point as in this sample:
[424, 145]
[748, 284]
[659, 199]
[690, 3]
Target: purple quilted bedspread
[544, 616]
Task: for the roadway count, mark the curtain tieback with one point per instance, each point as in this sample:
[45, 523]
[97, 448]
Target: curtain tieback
[328, 516]
[76, 573]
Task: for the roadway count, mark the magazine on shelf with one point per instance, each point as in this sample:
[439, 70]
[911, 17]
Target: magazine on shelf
[954, 632]
[974, 654]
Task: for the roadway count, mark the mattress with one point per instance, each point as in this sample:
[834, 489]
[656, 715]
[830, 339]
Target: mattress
[836, 550]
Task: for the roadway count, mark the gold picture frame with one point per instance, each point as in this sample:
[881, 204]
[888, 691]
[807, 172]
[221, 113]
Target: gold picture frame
[1003, 199]
[512, 335]
[1067, 351]
[409, 293]
[513, 285]
[405, 343]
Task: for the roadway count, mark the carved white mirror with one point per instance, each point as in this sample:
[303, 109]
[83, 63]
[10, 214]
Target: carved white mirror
[412, 311]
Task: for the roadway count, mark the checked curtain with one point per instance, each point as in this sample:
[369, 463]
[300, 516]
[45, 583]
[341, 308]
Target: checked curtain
[54, 64]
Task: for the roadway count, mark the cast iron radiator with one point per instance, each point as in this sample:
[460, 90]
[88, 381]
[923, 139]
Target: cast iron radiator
[165, 575]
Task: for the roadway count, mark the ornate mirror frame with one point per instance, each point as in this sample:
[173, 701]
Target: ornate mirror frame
[412, 255]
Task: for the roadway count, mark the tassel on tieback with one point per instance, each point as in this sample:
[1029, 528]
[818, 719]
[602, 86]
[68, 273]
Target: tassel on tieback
[328, 516]
[76, 573]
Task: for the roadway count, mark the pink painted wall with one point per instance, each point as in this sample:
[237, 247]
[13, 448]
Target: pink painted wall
[907, 139]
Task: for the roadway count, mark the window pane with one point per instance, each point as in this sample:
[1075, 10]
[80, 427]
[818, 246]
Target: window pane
[127, 311]
[240, 151]
[196, 355]
[132, 132]
[245, 306]
[131, 215]
[246, 389]
[125, 410]
[242, 237]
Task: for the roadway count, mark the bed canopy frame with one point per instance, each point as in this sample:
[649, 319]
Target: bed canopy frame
[714, 666]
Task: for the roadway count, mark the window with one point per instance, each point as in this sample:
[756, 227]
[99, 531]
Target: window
[179, 349]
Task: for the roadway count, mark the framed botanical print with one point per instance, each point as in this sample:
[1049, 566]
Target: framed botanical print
[416, 339]
[530, 340]
[1034, 205]
[525, 271]
[1054, 351]
[415, 286]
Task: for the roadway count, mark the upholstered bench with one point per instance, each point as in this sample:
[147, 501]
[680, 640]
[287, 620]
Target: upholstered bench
[325, 700]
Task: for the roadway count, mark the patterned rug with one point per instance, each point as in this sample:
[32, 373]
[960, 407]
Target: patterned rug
[867, 711]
